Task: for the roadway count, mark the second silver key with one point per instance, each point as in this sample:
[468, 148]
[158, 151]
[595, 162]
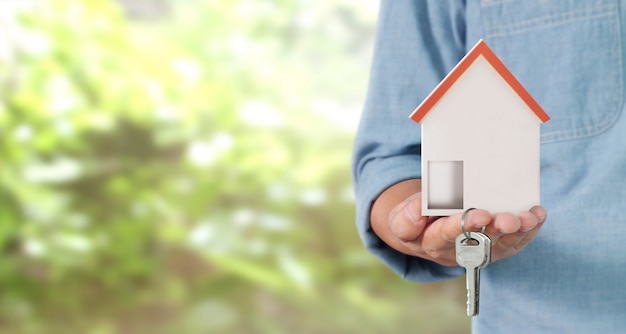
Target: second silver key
[473, 253]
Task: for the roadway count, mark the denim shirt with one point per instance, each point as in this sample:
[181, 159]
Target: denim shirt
[569, 55]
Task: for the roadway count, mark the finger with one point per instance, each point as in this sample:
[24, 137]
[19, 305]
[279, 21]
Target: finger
[540, 212]
[503, 223]
[499, 231]
[448, 228]
[511, 244]
[406, 221]
[528, 221]
[509, 241]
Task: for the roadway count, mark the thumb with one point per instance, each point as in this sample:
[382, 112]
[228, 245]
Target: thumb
[406, 221]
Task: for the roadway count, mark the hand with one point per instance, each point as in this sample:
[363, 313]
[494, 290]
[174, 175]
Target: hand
[432, 238]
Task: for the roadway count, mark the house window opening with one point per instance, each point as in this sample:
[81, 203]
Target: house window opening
[445, 185]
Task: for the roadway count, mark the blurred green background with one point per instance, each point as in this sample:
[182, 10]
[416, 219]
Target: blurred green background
[183, 167]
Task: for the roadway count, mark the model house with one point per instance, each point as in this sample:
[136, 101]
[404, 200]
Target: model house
[480, 139]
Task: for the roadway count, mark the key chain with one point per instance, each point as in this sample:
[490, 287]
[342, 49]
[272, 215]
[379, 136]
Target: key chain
[463, 223]
[473, 257]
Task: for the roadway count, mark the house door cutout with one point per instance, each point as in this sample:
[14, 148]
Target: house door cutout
[445, 185]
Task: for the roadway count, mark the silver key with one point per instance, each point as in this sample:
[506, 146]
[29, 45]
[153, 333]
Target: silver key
[473, 254]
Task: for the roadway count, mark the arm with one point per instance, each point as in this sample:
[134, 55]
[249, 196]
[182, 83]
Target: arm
[410, 58]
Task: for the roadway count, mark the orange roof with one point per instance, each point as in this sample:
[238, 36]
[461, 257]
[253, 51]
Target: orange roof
[480, 49]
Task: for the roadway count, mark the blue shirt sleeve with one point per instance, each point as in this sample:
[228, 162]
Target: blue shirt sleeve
[417, 43]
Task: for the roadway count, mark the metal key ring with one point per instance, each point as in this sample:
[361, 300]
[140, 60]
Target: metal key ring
[467, 235]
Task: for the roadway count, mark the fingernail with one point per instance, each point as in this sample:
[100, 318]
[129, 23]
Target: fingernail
[408, 212]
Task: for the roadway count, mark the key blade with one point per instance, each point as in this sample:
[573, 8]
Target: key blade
[472, 283]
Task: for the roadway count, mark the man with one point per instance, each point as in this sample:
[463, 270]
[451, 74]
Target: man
[564, 276]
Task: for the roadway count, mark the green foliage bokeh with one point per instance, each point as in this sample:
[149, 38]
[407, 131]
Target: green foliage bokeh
[190, 173]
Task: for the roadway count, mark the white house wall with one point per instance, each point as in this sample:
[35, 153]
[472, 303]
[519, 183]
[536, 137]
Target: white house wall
[484, 123]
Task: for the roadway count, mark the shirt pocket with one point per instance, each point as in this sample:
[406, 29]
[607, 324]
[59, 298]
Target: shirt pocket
[568, 55]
